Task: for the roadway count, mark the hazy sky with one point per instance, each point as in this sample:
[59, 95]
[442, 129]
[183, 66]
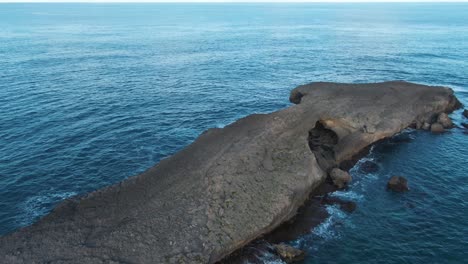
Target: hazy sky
[174, 1]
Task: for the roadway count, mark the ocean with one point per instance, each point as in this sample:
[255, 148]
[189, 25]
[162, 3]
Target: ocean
[91, 94]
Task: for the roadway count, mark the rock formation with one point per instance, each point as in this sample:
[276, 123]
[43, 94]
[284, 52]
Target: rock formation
[426, 126]
[444, 120]
[289, 254]
[398, 184]
[340, 178]
[231, 185]
[437, 128]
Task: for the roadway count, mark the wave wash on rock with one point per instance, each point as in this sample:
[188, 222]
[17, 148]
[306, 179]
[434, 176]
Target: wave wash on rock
[231, 185]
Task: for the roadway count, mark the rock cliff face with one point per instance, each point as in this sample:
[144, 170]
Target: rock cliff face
[231, 185]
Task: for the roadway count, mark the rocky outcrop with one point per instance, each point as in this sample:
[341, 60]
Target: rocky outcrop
[289, 254]
[398, 184]
[231, 185]
[340, 178]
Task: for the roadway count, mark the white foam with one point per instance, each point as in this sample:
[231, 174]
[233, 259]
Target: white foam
[348, 195]
[274, 262]
[35, 206]
[325, 230]
[269, 258]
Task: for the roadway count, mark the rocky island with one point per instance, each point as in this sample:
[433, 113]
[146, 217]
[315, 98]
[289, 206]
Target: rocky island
[232, 185]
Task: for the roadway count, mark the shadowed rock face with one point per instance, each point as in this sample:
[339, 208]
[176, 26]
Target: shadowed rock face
[231, 185]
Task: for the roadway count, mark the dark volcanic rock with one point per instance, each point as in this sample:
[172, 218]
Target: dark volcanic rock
[340, 178]
[437, 128]
[398, 184]
[231, 185]
[347, 206]
[289, 254]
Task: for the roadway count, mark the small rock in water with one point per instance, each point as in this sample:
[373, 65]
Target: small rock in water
[398, 184]
[465, 125]
[465, 113]
[445, 120]
[368, 167]
[288, 253]
[340, 177]
[437, 128]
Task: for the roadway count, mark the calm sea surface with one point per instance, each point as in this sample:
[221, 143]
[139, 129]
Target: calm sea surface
[93, 93]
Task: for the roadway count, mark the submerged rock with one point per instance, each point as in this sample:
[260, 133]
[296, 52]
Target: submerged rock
[465, 125]
[340, 178]
[257, 252]
[398, 184]
[368, 167]
[444, 120]
[289, 254]
[229, 186]
[437, 128]
[465, 113]
[347, 206]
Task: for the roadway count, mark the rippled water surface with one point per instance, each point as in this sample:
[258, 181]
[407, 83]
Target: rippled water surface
[93, 93]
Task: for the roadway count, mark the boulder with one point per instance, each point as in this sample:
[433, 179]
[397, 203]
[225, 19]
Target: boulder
[398, 184]
[437, 128]
[426, 126]
[465, 113]
[289, 254]
[340, 178]
[444, 120]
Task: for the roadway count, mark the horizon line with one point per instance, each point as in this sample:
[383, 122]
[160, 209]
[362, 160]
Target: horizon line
[230, 1]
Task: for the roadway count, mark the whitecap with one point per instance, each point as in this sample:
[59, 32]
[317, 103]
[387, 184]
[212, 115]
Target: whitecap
[325, 230]
[348, 195]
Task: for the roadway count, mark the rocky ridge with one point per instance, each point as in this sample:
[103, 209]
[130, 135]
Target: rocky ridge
[231, 185]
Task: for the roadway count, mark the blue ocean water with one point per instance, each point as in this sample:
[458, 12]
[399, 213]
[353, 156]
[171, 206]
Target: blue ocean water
[93, 93]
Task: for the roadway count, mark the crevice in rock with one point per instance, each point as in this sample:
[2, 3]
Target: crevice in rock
[296, 97]
[322, 142]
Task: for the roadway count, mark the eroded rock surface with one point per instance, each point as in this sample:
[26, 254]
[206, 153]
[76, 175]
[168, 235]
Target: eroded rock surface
[231, 185]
